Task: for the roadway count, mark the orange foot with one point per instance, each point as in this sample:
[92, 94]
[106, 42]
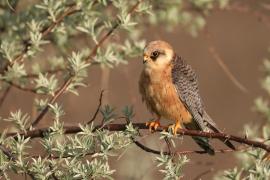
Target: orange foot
[175, 127]
[153, 125]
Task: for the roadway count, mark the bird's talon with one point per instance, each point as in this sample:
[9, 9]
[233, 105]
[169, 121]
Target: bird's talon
[175, 128]
[153, 125]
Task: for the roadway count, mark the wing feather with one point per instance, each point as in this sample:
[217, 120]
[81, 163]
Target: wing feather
[186, 84]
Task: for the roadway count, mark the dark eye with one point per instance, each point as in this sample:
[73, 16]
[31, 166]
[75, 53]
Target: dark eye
[154, 55]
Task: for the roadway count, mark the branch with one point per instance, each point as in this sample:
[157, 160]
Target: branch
[35, 75]
[169, 145]
[98, 108]
[22, 88]
[52, 101]
[212, 50]
[39, 133]
[205, 152]
[70, 10]
[7, 153]
[147, 149]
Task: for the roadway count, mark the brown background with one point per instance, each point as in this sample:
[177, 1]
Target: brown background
[242, 42]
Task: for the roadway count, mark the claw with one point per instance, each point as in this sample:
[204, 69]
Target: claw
[175, 127]
[153, 125]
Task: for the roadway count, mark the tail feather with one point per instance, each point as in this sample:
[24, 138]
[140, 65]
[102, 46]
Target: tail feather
[229, 144]
[201, 141]
[204, 144]
[225, 141]
[212, 125]
[206, 124]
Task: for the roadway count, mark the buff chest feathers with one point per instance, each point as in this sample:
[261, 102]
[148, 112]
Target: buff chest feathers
[160, 96]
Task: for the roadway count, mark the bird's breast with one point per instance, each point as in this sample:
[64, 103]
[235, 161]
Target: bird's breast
[160, 95]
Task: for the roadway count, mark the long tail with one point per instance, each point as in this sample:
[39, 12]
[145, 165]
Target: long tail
[212, 125]
[204, 144]
[225, 141]
[201, 141]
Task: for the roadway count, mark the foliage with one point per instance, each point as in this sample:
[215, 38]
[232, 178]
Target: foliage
[26, 32]
[255, 163]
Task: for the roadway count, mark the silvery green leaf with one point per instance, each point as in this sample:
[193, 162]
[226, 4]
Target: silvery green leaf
[14, 72]
[108, 113]
[57, 110]
[77, 63]
[45, 84]
[19, 119]
[9, 50]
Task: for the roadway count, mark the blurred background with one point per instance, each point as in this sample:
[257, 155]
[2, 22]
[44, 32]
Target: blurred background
[240, 40]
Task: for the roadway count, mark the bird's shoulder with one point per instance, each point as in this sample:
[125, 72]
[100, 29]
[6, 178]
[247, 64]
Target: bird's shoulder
[181, 71]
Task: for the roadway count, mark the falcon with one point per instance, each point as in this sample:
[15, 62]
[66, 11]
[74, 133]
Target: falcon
[169, 88]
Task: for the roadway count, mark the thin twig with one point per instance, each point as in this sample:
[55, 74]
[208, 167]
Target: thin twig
[166, 139]
[7, 153]
[35, 75]
[185, 152]
[17, 86]
[52, 101]
[10, 7]
[98, 108]
[70, 10]
[212, 50]
[147, 149]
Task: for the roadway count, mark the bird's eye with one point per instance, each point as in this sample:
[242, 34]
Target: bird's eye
[154, 55]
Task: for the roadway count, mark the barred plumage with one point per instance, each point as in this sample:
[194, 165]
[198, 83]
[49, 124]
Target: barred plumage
[169, 86]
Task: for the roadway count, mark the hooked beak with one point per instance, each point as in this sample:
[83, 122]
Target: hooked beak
[145, 59]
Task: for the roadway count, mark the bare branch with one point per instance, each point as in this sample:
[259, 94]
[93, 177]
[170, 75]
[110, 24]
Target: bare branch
[98, 108]
[7, 153]
[212, 50]
[147, 149]
[169, 145]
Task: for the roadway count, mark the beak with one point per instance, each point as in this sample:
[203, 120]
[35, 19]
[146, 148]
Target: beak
[145, 59]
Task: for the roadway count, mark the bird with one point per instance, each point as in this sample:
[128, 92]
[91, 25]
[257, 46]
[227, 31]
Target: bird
[169, 88]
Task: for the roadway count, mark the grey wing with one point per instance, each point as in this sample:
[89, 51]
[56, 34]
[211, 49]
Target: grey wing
[186, 84]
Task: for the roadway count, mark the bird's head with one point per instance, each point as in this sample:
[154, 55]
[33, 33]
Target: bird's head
[157, 54]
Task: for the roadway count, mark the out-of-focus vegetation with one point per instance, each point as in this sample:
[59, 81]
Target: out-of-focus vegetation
[27, 28]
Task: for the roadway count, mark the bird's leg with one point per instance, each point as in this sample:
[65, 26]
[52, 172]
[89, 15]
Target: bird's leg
[175, 127]
[154, 124]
